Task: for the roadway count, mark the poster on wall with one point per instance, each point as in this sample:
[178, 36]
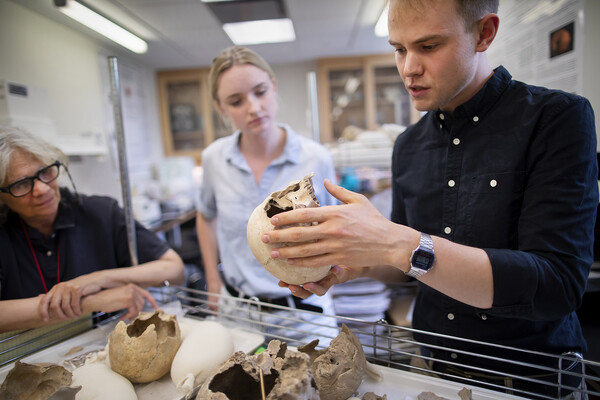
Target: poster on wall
[135, 116]
[541, 42]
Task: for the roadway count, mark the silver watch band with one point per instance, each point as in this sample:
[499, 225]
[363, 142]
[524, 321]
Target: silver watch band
[425, 242]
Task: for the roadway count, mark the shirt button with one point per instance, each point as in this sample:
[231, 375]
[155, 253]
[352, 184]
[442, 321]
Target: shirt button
[440, 126]
[493, 183]
[453, 356]
[456, 141]
[450, 316]
[483, 317]
[442, 116]
[49, 253]
[451, 183]
[447, 230]
[475, 118]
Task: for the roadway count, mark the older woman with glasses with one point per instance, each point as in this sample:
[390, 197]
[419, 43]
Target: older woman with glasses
[64, 254]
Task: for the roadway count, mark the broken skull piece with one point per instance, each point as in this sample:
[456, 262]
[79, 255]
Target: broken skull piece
[338, 369]
[285, 374]
[39, 381]
[299, 194]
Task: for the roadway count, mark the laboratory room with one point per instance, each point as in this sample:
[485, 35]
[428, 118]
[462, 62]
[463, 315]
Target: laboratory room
[299, 199]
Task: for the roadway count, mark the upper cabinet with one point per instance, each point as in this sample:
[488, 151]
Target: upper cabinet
[188, 119]
[366, 92]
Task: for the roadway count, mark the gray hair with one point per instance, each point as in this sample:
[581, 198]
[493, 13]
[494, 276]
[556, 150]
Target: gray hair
[14, 138]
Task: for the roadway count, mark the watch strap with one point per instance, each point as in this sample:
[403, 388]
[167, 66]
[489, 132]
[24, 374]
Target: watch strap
[425, 243]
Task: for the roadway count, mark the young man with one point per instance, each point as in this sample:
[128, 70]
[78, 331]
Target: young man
[494, 195]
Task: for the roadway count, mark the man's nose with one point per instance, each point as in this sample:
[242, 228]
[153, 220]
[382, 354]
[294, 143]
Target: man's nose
[412, 65]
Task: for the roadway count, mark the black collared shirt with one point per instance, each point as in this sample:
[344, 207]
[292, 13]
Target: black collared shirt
[513, 171]
[91, 235]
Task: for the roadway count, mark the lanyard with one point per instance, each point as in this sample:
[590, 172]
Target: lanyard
[37, 264]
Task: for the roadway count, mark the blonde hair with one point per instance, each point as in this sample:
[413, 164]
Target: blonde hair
[229, 57]
[14, 138]
[470, 11]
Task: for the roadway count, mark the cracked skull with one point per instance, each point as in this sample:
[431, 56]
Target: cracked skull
[144, 350]
[299, 194]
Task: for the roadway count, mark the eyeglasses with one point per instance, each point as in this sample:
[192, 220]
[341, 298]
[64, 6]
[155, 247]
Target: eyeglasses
[24, 186]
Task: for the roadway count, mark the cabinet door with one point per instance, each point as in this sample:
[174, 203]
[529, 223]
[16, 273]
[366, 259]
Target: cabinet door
[392, 102]
[341, 93]
[184, 107]
[365, 92]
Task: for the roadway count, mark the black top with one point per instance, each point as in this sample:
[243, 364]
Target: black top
[91, 234]
[513, 171]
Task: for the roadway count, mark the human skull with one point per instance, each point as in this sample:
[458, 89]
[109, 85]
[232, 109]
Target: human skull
[144, 350]
[298, 194]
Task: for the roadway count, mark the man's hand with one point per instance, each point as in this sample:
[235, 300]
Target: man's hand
[354, 234]
[338, 274]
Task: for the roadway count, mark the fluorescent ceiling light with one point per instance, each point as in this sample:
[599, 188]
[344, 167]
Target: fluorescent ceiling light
[381, 27]
[263, 31]
[103, 26]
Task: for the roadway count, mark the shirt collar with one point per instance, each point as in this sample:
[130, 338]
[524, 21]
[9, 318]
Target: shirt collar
[480, 104]
[65, 217]
[291, 151]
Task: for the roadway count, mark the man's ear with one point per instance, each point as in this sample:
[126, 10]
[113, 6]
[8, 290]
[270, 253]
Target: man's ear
[487, 28]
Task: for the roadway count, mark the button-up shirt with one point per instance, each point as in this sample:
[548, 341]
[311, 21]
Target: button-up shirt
[512, 171]
[230, 193]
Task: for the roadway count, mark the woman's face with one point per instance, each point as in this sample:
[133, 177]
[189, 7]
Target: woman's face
[42, 202]
[248, 96]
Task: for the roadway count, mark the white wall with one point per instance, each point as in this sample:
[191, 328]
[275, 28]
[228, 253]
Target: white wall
[293, 96]
[39, 52]
[591, 58]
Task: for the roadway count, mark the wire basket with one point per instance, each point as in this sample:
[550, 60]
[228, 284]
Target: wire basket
[403, 348]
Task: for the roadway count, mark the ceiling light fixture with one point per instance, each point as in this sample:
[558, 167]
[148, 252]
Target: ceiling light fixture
[103, 26]
[262, 31]
[381, 27]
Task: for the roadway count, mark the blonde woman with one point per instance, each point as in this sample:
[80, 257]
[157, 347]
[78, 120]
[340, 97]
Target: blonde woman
[241, 170]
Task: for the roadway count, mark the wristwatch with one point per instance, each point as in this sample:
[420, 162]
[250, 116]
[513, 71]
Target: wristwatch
[421, 259]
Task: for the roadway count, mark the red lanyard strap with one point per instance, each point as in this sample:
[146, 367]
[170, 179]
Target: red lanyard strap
[37, 264]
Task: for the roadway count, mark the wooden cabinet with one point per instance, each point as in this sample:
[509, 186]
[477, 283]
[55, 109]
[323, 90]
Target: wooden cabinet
[188, 119]
[365, 91]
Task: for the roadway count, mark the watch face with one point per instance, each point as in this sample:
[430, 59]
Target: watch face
[422, 259]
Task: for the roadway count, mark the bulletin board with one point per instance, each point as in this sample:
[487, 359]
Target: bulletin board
[540, 42]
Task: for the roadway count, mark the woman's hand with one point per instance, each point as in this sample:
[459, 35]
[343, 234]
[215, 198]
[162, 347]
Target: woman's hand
[129, 296]
[64, 299]
[214, 286]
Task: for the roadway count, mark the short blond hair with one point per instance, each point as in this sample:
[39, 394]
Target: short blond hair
[236, 55]
[470, 11]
